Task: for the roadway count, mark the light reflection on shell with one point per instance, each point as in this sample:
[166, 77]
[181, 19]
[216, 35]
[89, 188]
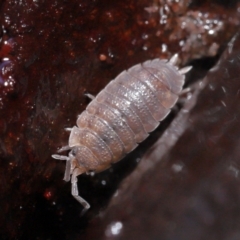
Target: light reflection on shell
[121, 116]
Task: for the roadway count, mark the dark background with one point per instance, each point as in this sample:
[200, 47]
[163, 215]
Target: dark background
[186, 185]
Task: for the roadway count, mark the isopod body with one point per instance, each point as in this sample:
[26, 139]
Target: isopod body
[121, 116]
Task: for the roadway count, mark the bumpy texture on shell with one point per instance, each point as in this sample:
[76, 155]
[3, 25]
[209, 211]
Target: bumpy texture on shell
[124, 112]
[122, 115]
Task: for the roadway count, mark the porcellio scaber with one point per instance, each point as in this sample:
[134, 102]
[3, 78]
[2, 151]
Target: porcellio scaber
[120, 117]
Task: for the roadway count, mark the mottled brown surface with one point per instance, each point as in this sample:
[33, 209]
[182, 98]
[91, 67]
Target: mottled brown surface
[51, 53]
[193, 192]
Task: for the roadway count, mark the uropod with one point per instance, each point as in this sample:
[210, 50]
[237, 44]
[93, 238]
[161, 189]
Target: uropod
[120, 117]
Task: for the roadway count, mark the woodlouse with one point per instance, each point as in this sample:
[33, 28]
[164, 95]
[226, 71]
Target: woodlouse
[120, 117]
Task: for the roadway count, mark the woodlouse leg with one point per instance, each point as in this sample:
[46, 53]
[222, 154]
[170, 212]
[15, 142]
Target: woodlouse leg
[67, 171]
[185, 91]
[68, 165]
[89, 96]
[76, 172]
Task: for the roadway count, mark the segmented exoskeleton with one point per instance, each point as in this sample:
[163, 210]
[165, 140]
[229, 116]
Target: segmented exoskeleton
[121, 116]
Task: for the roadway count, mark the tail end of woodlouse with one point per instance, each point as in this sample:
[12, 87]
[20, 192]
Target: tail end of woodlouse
[174, 59]
[185, 70]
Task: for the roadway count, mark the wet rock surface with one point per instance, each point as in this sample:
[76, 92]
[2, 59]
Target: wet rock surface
[192, 192]
[51, 53]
